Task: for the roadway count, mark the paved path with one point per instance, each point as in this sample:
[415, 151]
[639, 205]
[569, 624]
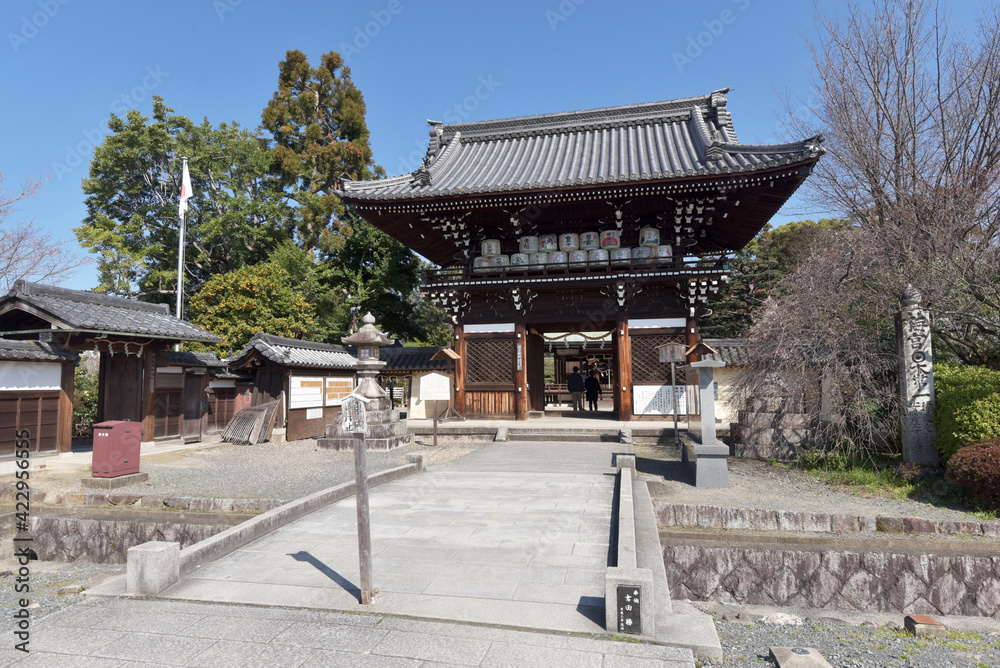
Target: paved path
[118, 633]
[514, 534]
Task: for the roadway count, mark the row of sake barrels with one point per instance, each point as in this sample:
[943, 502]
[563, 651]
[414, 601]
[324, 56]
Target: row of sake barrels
[574, 258]
[608, 240]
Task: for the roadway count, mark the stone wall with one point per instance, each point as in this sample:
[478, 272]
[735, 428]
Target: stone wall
[105, 540]
[867, 581]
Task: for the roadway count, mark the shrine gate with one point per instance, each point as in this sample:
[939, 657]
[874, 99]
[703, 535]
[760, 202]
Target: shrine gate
[615, 222]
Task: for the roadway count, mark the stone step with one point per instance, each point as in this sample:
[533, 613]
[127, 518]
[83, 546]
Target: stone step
[563, 436]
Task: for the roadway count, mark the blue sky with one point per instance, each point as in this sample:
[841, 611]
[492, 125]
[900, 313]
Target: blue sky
[66, 65]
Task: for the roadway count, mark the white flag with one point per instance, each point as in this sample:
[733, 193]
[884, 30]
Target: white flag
[185, 189]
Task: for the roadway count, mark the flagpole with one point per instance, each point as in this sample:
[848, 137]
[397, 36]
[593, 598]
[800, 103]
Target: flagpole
[180, 244]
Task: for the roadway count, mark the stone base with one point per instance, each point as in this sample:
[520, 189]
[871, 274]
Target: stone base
[338, 444]
[115, 483]
[798, 657]
[709, 462]
[152, 567]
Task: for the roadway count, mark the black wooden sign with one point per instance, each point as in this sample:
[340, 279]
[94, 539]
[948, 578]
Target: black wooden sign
[628, 609]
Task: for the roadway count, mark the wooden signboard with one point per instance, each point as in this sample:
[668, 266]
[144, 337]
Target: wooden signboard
[435, 387]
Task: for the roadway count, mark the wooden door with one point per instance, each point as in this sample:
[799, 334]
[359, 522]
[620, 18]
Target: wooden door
[194, 407]
[121, 383]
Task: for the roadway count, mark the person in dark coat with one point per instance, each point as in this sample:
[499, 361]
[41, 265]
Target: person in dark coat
[576, 387]
[593, 388]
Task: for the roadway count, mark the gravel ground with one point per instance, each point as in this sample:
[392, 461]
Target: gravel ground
[746, 645]
[755, 484]
[45, 580]
[282, 471]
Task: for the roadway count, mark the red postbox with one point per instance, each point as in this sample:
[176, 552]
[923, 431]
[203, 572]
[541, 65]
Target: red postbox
[116, 448]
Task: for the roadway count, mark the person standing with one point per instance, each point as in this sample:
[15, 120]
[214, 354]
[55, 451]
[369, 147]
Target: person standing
[575, 385]
[593, 388]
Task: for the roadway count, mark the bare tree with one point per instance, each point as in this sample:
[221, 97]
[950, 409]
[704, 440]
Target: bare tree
[910, 113]
[25, 251]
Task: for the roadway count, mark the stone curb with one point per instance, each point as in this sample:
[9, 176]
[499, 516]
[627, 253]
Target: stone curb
[757, 519]
[154, 502]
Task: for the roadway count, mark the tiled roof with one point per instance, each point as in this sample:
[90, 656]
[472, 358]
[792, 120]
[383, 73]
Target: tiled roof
[398, 358]
[184, 358]
[731, 351]
[75, 309]
[295, 353]
[11, 349]
[689, 137]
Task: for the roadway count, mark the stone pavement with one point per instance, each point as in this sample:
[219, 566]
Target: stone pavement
[121, 632]
[514, 534]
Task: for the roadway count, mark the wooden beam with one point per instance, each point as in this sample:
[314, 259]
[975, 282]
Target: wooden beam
[149, 391]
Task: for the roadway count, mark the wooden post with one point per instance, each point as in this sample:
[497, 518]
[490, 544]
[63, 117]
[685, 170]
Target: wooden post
[460, 370]
[149, 391]
[520, 374]
[68, 387]
[623, 361]
[364, 520]
[435, 422]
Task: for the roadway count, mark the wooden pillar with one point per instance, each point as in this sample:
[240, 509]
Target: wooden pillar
[520, 371]
[691, 336]
[623, 365]
[460, 366]
[64, 438]
[148, 391]
[535, 361]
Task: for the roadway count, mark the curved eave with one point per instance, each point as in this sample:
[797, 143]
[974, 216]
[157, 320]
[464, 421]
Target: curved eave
[766, 191]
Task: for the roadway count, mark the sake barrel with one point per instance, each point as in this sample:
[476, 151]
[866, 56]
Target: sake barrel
[557, 257]
[663, 252]
[621, 255]
[611, 239]
[528, 245]
[598, 256]
[649, 236]
[641, 254]
[491, 247]
[589, 241]
[578, 258]
[548, 242]
[569, 241]
[538, 260]
[499, 261]
[519, 260]
[481, 264]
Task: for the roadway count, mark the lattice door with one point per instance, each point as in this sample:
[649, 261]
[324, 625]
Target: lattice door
[489, 361]
[647, 369]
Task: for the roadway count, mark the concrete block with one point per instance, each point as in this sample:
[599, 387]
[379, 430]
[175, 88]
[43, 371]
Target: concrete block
[152, 567]
[923, 625]
[420, 459]
[625, 436]
[116, 482]
[711, 469]
[641, 579]
[501, 435]
[735, 518]
[798, 657]
[919, 525]
[625, 462]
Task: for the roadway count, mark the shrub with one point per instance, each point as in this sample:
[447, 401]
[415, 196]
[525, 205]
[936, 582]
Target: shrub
[977, 468]
[967, 406]
[84, 402]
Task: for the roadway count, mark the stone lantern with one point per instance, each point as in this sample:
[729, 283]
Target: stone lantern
[384, 429]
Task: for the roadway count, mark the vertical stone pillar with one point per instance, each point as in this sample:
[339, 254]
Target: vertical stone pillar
[916, 379]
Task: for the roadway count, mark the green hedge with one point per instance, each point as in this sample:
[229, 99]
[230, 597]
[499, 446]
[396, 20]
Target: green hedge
[967, 406]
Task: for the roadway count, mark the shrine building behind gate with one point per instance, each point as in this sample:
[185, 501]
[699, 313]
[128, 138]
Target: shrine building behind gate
[615, 221]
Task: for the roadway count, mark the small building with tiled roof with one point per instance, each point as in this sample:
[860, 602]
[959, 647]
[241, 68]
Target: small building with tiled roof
[128, 334]
[307, 377]
[36, 395]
